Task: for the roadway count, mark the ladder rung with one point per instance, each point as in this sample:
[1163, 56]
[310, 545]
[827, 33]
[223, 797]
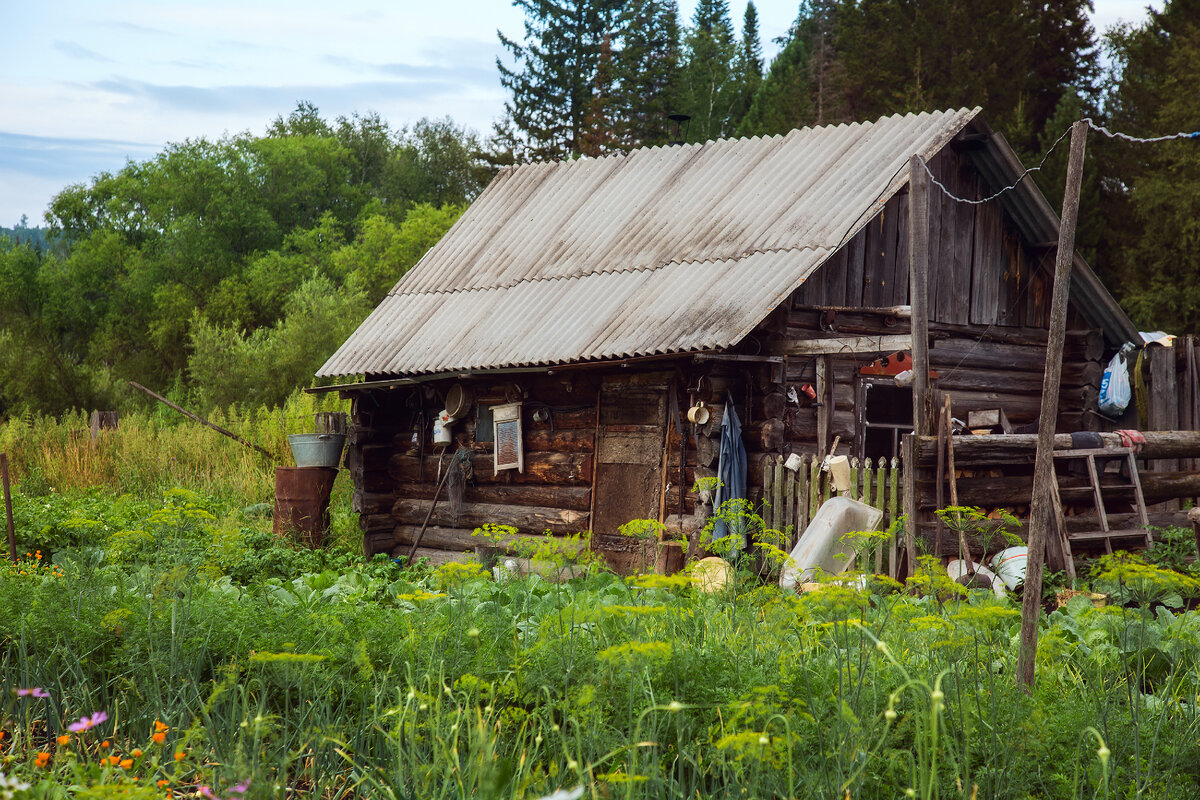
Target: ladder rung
[1124, 533]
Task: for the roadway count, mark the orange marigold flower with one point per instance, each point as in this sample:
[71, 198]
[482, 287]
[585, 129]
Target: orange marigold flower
[159, 737]
[162, 782]
[42, 759]
[126, 763]
[180, 755]
[137, 753]
[64, 739]
[104, 744]
[160, 726]
[114, 760]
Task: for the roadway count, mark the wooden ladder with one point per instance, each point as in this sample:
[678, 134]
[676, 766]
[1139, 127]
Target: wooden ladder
[1106, 533]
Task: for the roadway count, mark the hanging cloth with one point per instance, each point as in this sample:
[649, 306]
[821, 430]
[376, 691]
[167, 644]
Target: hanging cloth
[731, 471]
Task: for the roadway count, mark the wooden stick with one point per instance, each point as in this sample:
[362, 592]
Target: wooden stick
[436, 494]
[1194, 518]
[941, 479]
[199, 419]
[1041, 515]
[963, 547]
[12, 534]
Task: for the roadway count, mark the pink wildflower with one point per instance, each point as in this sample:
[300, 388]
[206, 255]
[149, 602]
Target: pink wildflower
[86, 723]
[34, 692]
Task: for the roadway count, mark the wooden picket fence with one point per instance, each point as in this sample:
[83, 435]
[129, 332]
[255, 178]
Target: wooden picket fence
[790, 499]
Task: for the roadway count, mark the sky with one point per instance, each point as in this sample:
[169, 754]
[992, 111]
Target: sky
[87, 86]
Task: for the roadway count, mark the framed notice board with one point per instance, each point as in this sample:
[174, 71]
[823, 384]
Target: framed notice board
[506, 426]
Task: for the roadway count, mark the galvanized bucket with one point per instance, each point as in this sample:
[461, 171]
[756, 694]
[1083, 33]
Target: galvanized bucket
[317, 449]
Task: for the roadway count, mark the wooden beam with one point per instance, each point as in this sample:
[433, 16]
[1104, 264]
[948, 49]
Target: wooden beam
[899, 312]
[1042, 514]
[824, 401]
[737, 357]
[838, 345]
[918, 276]
[1021, 448]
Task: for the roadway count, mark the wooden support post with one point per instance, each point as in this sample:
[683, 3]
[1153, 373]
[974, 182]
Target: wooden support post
[940, 476]
[1194, 518]
[908, 459]
[12, 534]
[918, 289]
[1042, 514]
[824, 401]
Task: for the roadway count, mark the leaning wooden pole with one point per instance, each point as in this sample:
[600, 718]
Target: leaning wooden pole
[8, 515]
[200, 419]
[1042, 513]
[918, 290]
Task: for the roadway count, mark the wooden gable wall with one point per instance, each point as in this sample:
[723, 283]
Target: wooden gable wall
[989, 295]
[981, 271]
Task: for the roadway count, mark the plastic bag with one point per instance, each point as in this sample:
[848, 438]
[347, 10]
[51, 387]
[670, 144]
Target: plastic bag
[1115, 391]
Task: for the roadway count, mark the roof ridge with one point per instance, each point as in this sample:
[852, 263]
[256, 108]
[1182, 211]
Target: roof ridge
[649, 268]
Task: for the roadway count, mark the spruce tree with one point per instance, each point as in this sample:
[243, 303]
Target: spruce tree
[562, 83]
[650, 69]
[749, 67]
[801, 86]
[710, 85]
[1153, 197]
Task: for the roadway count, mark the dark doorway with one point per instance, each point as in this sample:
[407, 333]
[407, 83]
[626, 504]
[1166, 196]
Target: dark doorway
[885, 415]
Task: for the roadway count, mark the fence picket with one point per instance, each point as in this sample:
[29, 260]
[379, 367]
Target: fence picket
[792, 499]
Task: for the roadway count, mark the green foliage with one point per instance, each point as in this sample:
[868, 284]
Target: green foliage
[1153, 196]
[714, 74]
[320, 672]
[228, 366]
[216, 253]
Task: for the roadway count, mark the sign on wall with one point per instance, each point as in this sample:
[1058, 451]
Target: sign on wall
[506, 425]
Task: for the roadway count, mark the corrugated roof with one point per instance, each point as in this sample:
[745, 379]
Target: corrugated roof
[663, 249]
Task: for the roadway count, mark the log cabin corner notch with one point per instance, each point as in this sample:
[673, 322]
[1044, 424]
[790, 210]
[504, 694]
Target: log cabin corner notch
[607, 295]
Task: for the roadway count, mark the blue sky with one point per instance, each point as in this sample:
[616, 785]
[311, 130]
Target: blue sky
[84, 86]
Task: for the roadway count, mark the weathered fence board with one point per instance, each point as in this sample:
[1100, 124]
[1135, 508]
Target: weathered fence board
[791, 499]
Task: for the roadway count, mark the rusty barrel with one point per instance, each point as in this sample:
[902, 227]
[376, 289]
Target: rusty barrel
[302, 503]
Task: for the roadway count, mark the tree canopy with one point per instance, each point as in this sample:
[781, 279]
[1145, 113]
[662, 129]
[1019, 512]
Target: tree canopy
[214, 258]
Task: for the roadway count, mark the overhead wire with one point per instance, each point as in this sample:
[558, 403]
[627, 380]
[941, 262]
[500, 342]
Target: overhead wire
[1093, 125]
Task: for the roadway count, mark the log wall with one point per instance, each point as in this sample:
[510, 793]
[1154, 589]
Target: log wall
[396, 467]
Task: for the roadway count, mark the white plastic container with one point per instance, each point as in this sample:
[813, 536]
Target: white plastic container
[824, 546]
[839, 470]
[441, 429]
[1010, 565]
[957, 570]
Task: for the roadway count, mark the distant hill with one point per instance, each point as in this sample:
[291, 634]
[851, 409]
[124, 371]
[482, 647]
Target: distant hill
[34, 236]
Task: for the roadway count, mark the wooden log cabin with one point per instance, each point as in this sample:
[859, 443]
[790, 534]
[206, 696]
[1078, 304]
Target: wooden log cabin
[599, 299]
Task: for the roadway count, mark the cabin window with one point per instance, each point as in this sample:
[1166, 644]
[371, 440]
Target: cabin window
[885, 415]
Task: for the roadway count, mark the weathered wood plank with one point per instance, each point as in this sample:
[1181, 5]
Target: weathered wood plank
[447, 538]
[842, 344]
[527, 519]
[574, 498]
[561, 469]
[1019, 448]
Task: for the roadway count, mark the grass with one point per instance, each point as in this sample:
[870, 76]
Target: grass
[277, 671]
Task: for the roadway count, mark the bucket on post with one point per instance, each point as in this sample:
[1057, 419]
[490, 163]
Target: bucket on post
[302, 502]
[317, 449]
